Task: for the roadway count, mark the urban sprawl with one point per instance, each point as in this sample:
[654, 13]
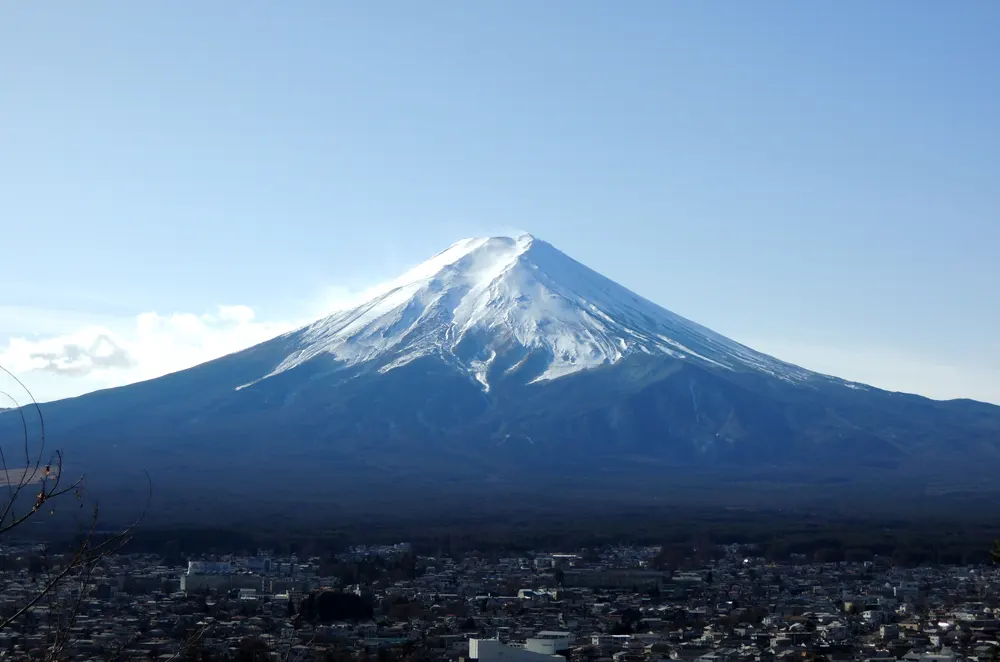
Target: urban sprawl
[387, 603]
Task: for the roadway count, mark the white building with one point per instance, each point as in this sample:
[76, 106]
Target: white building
[540, 648]
[209, 567]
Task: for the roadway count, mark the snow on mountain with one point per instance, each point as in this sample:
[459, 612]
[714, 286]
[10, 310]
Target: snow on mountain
[483, 298]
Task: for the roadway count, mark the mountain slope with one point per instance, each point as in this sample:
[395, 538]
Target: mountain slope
[504, 362]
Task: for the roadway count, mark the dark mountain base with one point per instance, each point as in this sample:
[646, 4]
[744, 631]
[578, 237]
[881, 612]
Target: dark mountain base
[818, 534]
[312, 501]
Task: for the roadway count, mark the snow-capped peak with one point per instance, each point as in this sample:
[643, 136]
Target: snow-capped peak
[489, 305]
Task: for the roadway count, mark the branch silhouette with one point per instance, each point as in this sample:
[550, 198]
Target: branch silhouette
[37, 487]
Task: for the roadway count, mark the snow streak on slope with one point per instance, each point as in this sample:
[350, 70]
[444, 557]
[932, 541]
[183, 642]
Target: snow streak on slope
[518, 298]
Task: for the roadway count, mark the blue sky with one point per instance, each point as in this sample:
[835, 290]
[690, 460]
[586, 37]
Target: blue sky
[818, 180]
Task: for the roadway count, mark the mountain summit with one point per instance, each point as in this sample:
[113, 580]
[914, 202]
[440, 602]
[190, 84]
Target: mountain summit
[501, 363]
[492, 307]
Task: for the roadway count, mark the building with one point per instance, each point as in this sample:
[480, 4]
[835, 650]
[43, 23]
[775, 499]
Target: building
[217, 575]
[543, 647]
[491, 650]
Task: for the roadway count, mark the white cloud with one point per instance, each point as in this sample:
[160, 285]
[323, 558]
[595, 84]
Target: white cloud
[122, 351]
[69, 357]
[71, 354]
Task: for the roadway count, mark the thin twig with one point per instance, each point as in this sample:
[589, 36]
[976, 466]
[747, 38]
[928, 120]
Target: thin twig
[10, 490]
[89, 554]
[106, 548]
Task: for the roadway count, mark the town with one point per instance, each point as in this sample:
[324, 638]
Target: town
[385, 602]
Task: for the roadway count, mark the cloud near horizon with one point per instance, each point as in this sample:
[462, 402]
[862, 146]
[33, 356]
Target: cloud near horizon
[124, 351]
[74, 359]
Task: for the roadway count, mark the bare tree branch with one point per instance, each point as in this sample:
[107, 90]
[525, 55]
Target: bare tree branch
[48, 476]
[88, 554]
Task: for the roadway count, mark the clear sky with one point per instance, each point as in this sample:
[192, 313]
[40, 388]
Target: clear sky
[819, 180]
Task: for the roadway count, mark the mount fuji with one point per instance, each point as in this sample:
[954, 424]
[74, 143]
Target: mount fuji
[503, 364]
